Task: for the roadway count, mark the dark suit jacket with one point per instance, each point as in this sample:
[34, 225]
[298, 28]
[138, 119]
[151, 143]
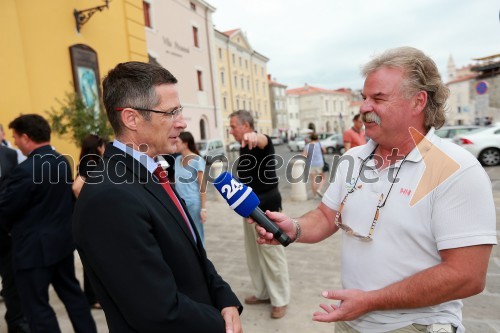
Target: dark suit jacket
[148, 273]
[8, 160]
[36, 204]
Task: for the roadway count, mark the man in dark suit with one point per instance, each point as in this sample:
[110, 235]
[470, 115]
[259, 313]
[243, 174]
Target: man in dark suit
[14, 317]
[137, 243]
[36, 206]
[8, 160]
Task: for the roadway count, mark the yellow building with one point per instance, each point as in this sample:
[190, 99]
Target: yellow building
[42, 52]
[242, 77]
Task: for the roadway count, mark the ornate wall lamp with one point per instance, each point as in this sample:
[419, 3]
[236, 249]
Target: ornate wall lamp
[82, 16]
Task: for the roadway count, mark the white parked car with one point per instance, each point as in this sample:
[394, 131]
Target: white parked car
[234, 146]
[297, 144]
[210, 149]
[333, 144]
[276, 140]
[483, 143]
[449, 132]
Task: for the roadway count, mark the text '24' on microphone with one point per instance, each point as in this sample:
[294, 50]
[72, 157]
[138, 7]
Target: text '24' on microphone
[245, 202]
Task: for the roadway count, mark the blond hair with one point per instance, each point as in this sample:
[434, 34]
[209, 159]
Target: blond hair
[421, 75]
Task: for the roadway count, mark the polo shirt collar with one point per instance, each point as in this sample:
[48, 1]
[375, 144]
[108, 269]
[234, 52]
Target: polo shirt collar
[415, 155]
[424, 146]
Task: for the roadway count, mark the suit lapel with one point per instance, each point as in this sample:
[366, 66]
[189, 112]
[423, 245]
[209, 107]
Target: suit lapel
[161, 195]
[119, 159]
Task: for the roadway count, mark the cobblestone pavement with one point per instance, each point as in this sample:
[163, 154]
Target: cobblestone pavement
[313, 268]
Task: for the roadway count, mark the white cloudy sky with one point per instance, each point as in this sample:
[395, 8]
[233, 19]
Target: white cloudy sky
[324, 42]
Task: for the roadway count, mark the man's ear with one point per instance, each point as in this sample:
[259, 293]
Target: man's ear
[420, 100]
[25, 138]
[129, 118]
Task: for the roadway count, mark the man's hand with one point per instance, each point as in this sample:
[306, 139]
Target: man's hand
[250, 139]
[282, 221]
[353, 304]
[232, 319]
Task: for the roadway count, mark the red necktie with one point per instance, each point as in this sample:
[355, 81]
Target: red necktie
[162, 176]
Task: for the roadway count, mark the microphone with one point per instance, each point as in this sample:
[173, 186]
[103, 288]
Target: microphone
[245, 202]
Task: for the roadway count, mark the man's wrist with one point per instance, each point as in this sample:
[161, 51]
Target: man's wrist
[298, 230]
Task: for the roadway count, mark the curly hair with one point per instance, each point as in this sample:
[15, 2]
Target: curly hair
[421, 75]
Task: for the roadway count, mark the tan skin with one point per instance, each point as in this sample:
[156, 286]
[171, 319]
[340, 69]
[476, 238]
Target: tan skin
[245, 134]
[25, 144]
[159, 135]
[358, 126]
[443, 282]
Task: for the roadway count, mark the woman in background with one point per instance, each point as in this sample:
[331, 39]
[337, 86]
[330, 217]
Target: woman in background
[317, 162]
[189, 167]
[92, 150]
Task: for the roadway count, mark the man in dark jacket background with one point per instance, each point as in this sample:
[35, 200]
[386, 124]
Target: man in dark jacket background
[14, 317]
[36, 205]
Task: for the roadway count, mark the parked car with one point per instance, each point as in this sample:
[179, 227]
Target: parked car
[210, 148]
[297, 144]
[484, 143]
[234, 146]
[449, 132]
[334, 144]
[276, 140]
[323, 136]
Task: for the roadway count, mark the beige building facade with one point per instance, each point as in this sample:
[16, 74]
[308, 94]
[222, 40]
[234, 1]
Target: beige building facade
[180, 37]
[278, 102]
[322, 110]
[242, 81]
[460, 105]
[292, 101]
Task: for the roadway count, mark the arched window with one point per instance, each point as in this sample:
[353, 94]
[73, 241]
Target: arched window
[203, 131]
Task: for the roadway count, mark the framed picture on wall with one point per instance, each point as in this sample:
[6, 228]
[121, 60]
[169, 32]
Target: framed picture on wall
[86, 78]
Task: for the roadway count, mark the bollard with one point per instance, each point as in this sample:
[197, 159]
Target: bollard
[299, 189]
[215, 171]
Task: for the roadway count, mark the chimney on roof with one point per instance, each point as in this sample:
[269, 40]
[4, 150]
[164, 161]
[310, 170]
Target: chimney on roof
[306, 86]
[268, 77]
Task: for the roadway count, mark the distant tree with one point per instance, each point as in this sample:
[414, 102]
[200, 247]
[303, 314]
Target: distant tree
[73, 119]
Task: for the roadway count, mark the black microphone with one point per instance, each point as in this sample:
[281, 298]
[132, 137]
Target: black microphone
[245, 202]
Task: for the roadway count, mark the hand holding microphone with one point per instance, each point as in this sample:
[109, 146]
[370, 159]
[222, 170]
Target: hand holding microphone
[245, 202]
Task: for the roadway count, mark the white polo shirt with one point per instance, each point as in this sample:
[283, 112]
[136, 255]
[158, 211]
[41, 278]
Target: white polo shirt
[458, 212]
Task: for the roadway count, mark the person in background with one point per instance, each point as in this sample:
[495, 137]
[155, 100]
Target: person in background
[416, 212]
[4, 142]
[355, 136]
[36, 206]
[14, 317]
[267, 264]
[189, 168]
[317, 162]
[90, 154]
[135, 238]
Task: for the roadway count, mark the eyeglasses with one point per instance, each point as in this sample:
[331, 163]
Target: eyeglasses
[173, 114]
[380, 204]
